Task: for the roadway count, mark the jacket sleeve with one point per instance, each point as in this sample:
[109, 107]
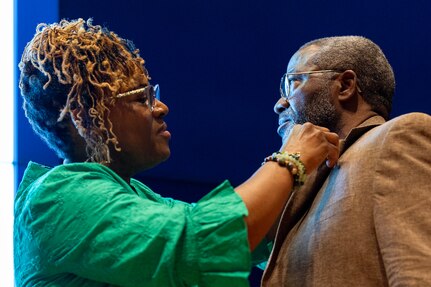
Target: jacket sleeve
[402, 201]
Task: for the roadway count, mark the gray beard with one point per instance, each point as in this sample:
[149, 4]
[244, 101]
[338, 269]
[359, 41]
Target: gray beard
[319, 111]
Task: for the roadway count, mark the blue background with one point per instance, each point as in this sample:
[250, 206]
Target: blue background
[219, 65]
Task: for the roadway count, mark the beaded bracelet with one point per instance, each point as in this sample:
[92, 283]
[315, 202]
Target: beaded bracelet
[292, 162]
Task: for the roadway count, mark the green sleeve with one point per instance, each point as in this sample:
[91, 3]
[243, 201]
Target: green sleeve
[261, 253]
[98, 229]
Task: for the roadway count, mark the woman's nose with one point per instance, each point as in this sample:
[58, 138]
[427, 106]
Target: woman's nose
[160, 109]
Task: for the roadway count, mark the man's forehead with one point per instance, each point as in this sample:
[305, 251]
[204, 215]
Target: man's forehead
[300, 61]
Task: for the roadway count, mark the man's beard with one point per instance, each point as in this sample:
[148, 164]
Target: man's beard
[319, 110]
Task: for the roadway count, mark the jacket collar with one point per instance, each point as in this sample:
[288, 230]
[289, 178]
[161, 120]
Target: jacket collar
[358, 131]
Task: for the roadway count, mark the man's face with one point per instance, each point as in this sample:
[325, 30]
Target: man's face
[310, 98]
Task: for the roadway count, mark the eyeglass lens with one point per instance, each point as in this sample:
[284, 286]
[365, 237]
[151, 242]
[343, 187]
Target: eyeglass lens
[284, 87]
[153, 94]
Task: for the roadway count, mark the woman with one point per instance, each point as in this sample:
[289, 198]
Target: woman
[87, 222]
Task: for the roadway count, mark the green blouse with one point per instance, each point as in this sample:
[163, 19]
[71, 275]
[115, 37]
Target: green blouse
[82, 225]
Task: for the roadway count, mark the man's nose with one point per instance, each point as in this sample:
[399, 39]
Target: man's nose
[281, 105]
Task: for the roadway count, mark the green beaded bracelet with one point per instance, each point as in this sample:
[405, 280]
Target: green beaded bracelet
[291, 161]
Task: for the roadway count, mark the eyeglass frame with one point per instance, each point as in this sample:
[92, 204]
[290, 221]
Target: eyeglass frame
[151, 92]
[284, 77]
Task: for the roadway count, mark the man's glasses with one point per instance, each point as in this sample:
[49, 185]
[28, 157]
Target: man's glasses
[150, 93]
[285, 83]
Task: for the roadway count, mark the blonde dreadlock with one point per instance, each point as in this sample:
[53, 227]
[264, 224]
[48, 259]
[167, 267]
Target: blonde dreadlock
[74, 69]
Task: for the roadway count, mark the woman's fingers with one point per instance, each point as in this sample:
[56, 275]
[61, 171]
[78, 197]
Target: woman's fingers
[332, 138]
[333, 148]
[315, 144]
[323, 129]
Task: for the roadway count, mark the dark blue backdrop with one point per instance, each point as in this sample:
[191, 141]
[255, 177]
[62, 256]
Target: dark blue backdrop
[219, 63]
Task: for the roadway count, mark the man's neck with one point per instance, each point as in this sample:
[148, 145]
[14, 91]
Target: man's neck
[349, 122]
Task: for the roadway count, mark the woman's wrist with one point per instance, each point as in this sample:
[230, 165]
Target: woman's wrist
[292, 162]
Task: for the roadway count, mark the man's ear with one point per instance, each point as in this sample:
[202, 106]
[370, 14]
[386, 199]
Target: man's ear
[348, 85]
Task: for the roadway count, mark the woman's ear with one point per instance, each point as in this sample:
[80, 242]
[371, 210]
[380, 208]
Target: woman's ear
[73, 117]
[76, 122]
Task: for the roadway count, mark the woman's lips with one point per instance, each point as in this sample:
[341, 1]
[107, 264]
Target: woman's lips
[164, 132]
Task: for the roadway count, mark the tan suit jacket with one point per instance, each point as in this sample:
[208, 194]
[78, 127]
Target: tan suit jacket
[369, 222]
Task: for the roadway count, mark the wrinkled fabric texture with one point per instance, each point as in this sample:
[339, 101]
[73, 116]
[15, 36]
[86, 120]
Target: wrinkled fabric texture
[366, 222]
[82, 225]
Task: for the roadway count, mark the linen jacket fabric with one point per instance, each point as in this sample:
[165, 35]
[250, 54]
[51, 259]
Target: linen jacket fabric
[366, 222]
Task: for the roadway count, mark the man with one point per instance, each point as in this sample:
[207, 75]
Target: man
[366, 222]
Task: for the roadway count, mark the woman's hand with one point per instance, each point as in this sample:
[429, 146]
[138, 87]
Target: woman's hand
[314, 143]
[268, 189]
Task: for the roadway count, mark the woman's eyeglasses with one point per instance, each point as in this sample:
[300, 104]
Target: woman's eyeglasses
[151, 93]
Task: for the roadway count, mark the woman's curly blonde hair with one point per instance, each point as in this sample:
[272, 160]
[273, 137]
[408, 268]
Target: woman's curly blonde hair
[72, 70]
